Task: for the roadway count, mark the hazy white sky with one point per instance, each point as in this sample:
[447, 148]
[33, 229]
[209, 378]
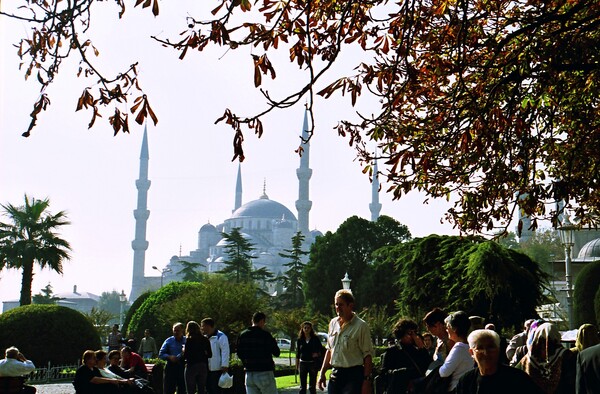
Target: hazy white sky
[91, 174]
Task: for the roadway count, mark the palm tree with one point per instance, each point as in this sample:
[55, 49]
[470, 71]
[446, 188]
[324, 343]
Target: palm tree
[30, 238]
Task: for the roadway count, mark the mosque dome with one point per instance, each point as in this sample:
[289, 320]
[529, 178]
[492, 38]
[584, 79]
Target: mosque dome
[263, 208]
[208, 228]
[590, 251]
[316, 233]
[223, 242]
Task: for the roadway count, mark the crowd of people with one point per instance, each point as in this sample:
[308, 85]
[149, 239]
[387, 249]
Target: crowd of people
[469, 358]
[457, 354]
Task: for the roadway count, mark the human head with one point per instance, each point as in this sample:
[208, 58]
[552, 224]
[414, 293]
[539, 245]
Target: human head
[89, 358]
[259, 319]
[405, 330]
[587, 336]
[126, 352]
[100, 358]
[114, 356]
[459, 323]
[477, 322]
[427, 340]
[434, 320]
[192, 329]
[490, 326]
[207, 326]
[546, 341]
[484, 347]
[115, 327]
[146, 332]
[11, 352]
[344, 304]
[178, 330]
[306, 330]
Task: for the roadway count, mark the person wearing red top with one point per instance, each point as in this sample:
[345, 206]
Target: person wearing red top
[133, 363]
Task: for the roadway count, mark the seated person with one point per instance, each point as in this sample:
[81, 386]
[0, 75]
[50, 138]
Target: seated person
[114, 361]
[133, 363]
[406, 362]
[89, 380]
[16, 365]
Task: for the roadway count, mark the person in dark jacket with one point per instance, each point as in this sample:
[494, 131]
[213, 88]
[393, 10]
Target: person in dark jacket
[406, 362]
[256, 348]
[309, 353]
[196, 353]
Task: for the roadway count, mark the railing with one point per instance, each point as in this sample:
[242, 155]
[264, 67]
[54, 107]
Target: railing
[53, 373]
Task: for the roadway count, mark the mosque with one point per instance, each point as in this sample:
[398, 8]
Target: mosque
[265, 223]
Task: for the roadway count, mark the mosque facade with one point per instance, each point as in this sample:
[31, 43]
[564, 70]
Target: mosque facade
[267, 224]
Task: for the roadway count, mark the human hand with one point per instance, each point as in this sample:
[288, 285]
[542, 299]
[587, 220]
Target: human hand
[322, 383]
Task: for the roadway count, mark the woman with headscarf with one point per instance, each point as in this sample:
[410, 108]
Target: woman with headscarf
[548, 363]
[587, 336]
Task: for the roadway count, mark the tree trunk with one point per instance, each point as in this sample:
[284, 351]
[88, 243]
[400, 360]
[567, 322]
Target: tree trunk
[26, 282]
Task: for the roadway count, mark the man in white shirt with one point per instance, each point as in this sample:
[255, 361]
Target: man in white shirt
[349, 350]
[15, 365]
[219, 362]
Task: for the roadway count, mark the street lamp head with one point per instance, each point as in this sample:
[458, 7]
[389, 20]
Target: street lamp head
[155, 268]
[567, 231]
[346, 282]
[122, 296]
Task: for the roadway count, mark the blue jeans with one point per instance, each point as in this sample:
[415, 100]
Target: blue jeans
[260, 382]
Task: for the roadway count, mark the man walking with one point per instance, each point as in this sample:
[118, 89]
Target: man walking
[16, 365]
[219, 362]
[147, 346]
[256, 348]
[349, 350]
[115, 338]
[171, 351]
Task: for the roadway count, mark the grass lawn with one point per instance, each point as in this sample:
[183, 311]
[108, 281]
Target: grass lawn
[289, 381]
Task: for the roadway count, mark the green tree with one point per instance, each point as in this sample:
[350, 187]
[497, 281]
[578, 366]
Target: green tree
[29, 238]
[544, 246]
[587, 284]
[191, 271]
[293, 296]
[238, 265]
[350, 249]
[101, 320]
[45, 296]
[379, 322]
[288, 322]
[480, 98]
[472, 274]
[231, 304]
[110, 302]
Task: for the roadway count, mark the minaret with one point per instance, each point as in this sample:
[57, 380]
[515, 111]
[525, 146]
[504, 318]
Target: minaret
[375, 206]
[141, 214]
[238, 189]
[303, 204]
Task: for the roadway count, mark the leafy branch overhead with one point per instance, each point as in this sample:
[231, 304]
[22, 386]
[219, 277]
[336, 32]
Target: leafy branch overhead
[489, 104]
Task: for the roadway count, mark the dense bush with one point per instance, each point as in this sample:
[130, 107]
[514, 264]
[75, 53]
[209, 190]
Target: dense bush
[48, 333]
[151, 313]
[586, 286]
[132, 309]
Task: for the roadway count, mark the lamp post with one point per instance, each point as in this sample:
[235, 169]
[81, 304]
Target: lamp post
[123, 299]
[162, 273]
[567, 231]
[346, 282]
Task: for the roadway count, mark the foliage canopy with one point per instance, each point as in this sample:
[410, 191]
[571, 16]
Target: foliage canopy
[48, 333]
[488, 100]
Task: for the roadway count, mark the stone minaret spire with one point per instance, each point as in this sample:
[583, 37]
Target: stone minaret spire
[375, 205]
[141, 214]
[303, 204]
[238, 189]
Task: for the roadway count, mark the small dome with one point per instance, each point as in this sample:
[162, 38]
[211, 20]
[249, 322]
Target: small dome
[223, 242]
[264, 209]
[208, 228]
[590, 250]
[316, 233]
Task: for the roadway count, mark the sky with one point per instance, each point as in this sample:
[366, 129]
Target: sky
[91, 175]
